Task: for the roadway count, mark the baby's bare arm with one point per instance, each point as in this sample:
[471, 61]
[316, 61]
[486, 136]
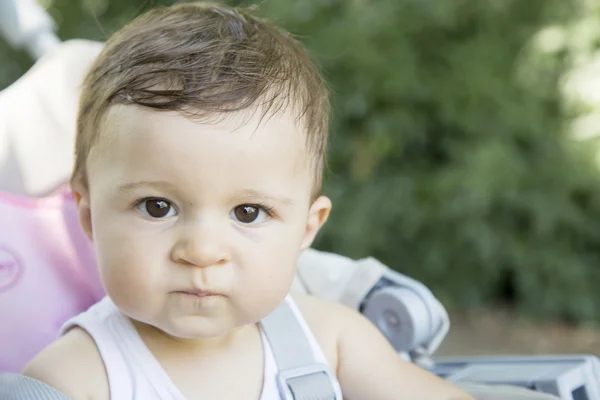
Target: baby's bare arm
[367, 366]
[73, 366]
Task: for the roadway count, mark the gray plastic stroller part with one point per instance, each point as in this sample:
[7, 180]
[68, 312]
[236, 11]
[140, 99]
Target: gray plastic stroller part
[400, 315]
[19, 387]
[407, 313]
[569, 377]
[25, 24]
[502, 392]
[403, 309]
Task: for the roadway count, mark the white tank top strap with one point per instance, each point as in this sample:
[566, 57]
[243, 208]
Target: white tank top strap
[314, 345]
[133, 372]
[96, 321]
[269, 389]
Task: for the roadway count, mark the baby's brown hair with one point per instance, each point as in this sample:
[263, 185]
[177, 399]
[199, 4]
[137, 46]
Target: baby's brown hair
[204, 60]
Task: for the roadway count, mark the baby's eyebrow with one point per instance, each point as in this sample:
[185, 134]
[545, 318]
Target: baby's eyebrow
[252, 194]
[134, 185]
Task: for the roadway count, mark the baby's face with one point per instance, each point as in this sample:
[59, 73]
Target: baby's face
[198, 226]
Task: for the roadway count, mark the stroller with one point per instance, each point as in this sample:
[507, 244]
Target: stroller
[37, 129]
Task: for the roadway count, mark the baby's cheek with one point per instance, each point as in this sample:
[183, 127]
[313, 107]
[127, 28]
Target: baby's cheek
[270, 277]
[125, 267]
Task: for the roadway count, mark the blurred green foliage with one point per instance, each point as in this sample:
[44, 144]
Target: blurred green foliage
[452, 157]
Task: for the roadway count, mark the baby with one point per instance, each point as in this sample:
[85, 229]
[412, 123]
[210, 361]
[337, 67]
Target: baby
[201, 139]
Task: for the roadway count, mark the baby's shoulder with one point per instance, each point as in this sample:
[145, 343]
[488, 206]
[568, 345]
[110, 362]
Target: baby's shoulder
[73, 365]
[328, 320]
[325, 315]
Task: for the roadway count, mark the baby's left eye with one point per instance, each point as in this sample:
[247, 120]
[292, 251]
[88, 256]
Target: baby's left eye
[156, 208]
[249, 214]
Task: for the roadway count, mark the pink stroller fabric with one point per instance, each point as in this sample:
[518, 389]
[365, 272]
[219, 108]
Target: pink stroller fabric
[47, 273]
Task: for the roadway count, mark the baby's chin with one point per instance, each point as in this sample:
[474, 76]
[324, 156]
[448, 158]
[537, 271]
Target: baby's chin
[192, 328]
[188, 329]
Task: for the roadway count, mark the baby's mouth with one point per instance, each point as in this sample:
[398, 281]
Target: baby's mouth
[198, 292]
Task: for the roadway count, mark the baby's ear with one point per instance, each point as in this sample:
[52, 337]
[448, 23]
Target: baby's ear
[317, 216]
[82, 200]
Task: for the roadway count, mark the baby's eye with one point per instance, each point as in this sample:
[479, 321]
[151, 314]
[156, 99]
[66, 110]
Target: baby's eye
[156, 208]
[249, 214]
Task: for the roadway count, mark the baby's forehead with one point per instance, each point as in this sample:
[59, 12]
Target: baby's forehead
[247, 135]
[204, 161]
[122, 118]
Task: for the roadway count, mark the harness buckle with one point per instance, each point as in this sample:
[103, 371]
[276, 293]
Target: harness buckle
[315, 382]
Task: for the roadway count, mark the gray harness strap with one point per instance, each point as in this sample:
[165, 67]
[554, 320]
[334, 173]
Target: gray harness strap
[301, 376]
[19, 387]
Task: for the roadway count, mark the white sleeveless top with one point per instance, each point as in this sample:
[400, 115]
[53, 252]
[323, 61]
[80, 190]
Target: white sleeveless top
[133, 371]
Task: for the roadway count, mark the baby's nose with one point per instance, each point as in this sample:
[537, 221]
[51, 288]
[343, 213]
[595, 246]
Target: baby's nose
[201, 244]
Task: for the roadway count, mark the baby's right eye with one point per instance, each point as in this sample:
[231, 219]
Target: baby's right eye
[156, 208]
